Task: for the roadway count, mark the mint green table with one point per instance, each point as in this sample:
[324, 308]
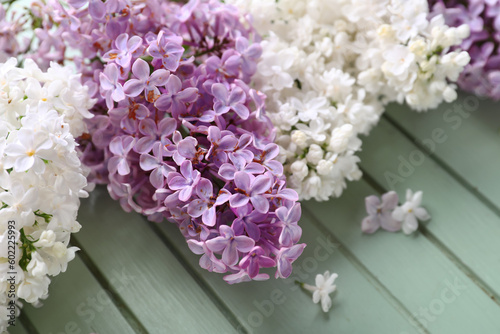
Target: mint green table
[133, 276]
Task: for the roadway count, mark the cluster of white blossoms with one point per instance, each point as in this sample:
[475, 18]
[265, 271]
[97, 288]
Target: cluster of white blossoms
[41, 178]
[330, 66]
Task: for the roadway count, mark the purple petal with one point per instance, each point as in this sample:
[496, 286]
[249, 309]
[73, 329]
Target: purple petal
[370, 224]
[228, 143]
[97, 9]
[197, 207]
[209, 217]
[230, 254]
[220, 92]
[133, 87]
[294, 213]
[188, 95]
[275, 167]
[388, 223]
[178, 183]
[254, 168]
[185, 193]
[148, 162]
[167, 126]
[260, 203]
[389, 200]
[244, 244]
[157, 178]
[121, 42]
[237, 96]
[241, 110]
[216, 244]
[204, 189]
[261, 184]
[372, 202]
[159, 77]
[238, 200]
[242, 181]
[173, 84]
[141, 69]
[164, 102]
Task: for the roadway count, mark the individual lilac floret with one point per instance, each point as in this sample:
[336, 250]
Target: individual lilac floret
[110, 85]
[410, 211]
[251, 188]
[380, 213]
[174, 98]
[225, 101]
[255, 260]
[145, 83]
[178, 133]
[230, 244]
[186, 182]
[125, 47]
[167, 50]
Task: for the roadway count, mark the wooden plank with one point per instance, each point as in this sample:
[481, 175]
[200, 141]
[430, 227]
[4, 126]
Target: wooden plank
[460, 221]
[279, 306]
[17, 329]
[410, 267]
[77, 304]
[470, 142]
[163, 297]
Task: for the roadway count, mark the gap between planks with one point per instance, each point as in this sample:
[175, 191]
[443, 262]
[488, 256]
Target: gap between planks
[446, 167]
[223, 308]
[439, 245]
[120, 304]
[370, 277]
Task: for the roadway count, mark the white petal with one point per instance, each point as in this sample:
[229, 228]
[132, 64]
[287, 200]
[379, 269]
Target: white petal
[422, 214]
[410, 224]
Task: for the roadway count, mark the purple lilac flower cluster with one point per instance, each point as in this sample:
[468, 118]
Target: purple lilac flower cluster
[482, 75]
[178, 133]
[11, 25]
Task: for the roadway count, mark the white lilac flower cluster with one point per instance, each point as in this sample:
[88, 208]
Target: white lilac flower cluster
[41, 177]
[330, 66]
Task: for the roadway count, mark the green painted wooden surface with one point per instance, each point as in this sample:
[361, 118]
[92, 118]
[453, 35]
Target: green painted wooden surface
[443, 279]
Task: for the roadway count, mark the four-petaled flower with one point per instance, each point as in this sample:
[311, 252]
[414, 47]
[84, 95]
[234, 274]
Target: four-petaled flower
[285, 257]
[230, 244]
[205, 205]
[156, 164]
[145, 82]
[186, 182]
[324, 287]
[176, 98]
[225, 101]
[251, 188]
[113, 89]
[168, 50]
[380, 214]
[410, 211]
[255, 260]
[120, 147]
[290, 232]
[125, 47]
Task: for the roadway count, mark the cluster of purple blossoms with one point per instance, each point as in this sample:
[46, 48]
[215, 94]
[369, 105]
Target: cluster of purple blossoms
[11, 25]
[178, 133]
[482, 75]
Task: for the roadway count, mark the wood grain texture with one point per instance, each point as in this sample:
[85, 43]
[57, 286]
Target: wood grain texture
[417, 273]
[358, 305]
[461, 222]
[77, 304]
[471, 141]
[160, 293]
